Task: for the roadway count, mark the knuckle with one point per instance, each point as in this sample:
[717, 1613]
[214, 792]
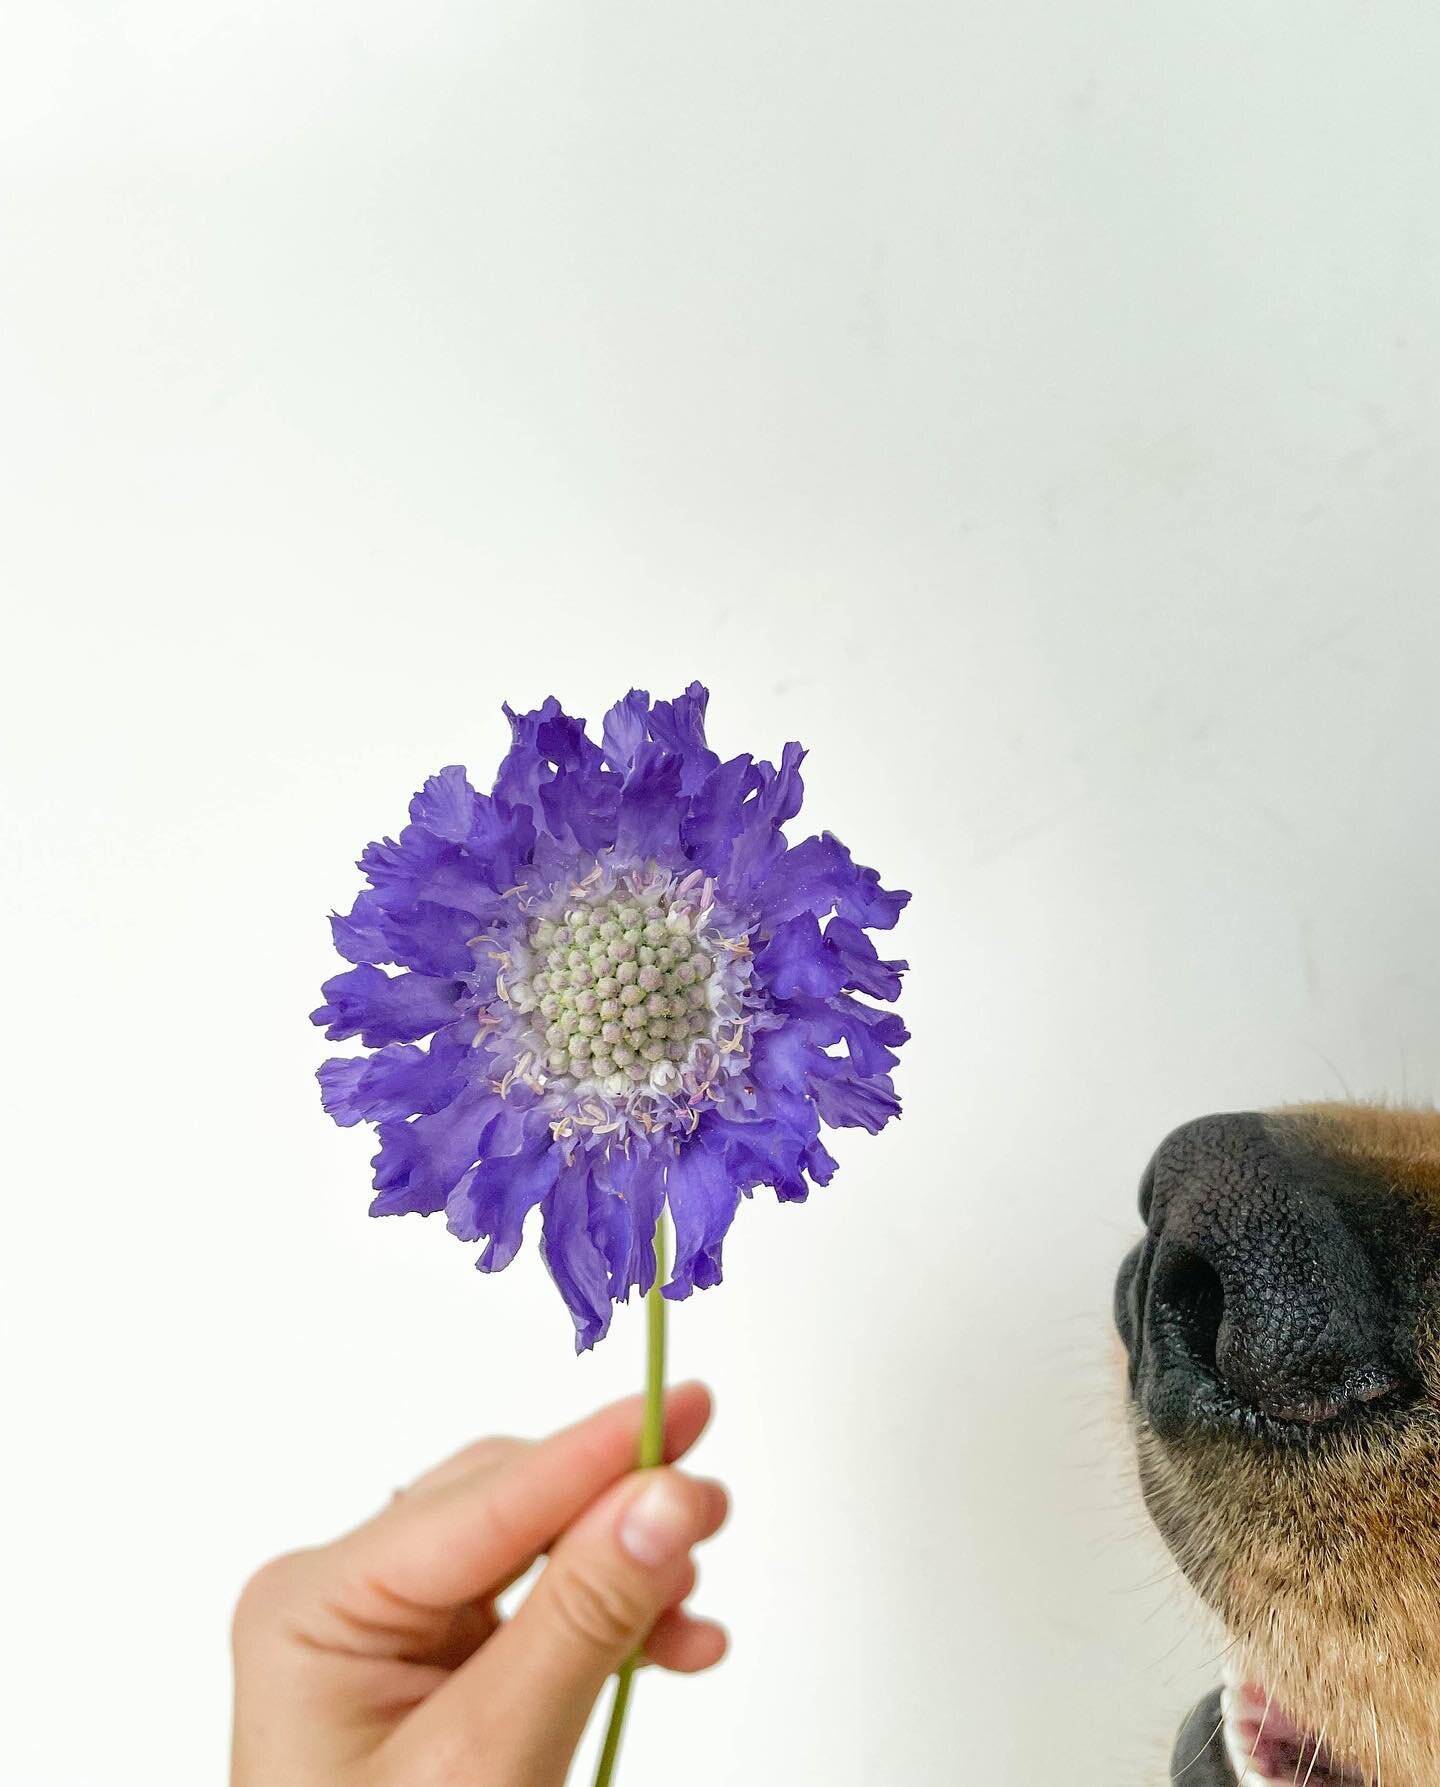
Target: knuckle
[268, 1591]
[598, 1612]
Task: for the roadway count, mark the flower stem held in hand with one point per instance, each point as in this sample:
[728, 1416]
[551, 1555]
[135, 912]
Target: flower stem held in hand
[652, 1452]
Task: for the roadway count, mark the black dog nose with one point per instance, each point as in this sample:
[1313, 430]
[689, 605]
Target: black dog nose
[1254, 1288]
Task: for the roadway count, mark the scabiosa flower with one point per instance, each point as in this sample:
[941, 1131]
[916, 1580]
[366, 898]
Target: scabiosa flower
[637, 995]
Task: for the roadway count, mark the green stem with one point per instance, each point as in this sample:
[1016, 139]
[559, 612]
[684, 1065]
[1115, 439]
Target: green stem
[652, 1452]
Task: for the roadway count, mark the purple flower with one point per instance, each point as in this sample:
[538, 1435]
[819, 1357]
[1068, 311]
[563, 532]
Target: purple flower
[636, 994]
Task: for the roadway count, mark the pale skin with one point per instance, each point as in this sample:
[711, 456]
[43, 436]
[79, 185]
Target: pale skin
[380, 1660]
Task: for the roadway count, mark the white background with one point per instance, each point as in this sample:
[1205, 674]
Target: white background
[1030, 407]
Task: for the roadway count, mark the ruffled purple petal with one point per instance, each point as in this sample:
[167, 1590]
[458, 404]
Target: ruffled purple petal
[770, 1151]
[500, 842]
[870, 1036]
[397, 868]
[396, 1082]
[626, 727]
[794, 961]
[717, 812]
[636, 1181]
[421, 1162]
[648, 822]
[581, 805]
[818, 876]
[784, 1059]
[848, 1101]
[761, 842]
[543, 742]
[679, 725]
[381, 1008]
[429, 938]
[820, 1163]
[419, 866]
[495, 1196]
[703, 1199]
[446, 805]
[865, 971]
[496, 835]
[357, 935]
[576, 1264]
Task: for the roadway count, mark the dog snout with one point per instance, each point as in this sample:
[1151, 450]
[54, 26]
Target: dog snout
[1255, 1292]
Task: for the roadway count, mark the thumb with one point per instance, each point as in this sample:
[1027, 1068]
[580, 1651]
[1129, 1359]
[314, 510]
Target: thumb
[608, 1580]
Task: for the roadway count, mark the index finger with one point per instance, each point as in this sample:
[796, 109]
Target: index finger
[461, 1540]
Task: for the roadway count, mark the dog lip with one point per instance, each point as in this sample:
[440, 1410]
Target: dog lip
[1239, 1737]
[1266, 1748]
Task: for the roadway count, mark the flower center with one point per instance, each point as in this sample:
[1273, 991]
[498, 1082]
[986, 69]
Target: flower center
[620, 993]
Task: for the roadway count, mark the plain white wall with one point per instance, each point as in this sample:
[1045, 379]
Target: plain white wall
[1033, 409]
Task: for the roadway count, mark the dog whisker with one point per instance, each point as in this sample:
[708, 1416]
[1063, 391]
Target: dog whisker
[1200, 1752]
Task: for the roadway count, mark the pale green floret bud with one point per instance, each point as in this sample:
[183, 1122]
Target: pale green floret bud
[685, 974]
[582, 935]
[610, 1008]
[580, 975]
[664, 959]
[555, 1035]
[622, 949]
[701, 963]
[569, 1019]
[544, 934]
[589, 1025]
[557, 1061]
[649, 979]
[630, 916]
[631, 994]
[607, 986]
[561, 939]
[622, 1054]
[696, 995]
[600, 1064]
[633, 1017]
[654, 931]
[585, 1000]
[540, 985]
[626, 972]
[653, 1051]
[613, 1033]
[659, 1027]
[617, 1085]
[657, 1005]
[579, 1045]
[676, 1050]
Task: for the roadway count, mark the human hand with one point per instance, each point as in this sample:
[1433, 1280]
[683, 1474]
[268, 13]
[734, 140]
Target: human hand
[381, 1660]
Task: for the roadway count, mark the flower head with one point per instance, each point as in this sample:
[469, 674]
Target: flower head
[634, 991]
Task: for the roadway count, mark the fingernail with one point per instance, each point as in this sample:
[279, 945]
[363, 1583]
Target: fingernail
[656, 1526]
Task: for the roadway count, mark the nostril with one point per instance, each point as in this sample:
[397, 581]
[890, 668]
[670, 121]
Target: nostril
[1188, 1299]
